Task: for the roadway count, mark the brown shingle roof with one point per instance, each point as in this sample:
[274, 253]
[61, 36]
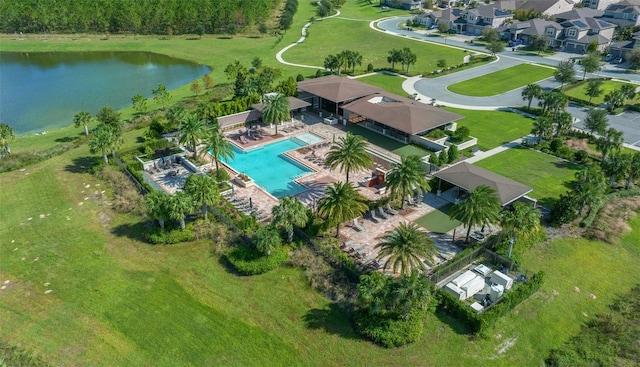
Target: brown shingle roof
[401, 113]
[294, 103]
[469, 177]
[238, 118]
[337, 89]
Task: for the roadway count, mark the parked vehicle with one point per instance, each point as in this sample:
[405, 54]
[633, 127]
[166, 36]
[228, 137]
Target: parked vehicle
[515, 43]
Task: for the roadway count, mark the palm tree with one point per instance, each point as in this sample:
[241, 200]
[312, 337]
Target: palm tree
[563, 122]
[266, 239]
[521, 222]
[275, 109]
[616, 167]
[481, 207]
[410, 292]
[610, 141]
[7, 135]
[565, 73]
[593, 88]
[349, 153]
[218, 146]
[103, 141]
[614, 99]
[179, 206]
[530, 92]
[634, 169]
[589, 187]
[596, 121]
[83, 118]
[288, 213]
[407, 247]
[157, 203]
[175, 115]
[341, 204]
[543, 127]
[393, 57]
[406, 176]
[203, 190]
[192, 129]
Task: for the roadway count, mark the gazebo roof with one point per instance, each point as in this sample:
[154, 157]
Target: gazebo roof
[337, 89]
[294, 103]
[469, 177]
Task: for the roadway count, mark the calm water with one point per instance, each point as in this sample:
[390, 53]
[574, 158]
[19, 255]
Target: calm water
[43, 91]
[270, 169]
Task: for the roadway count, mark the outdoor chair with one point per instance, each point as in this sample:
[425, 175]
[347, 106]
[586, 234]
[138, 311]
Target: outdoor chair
[357, 225]
[390, 210]
[373, 217]
[410, 201]
[382, 213]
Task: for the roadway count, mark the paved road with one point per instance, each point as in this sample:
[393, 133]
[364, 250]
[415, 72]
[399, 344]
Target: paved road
[436, 88]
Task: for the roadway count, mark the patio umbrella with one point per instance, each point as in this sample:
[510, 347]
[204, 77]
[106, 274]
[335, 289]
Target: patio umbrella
[250, 203]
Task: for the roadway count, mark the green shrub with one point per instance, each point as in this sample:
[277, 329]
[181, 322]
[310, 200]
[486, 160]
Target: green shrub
[565, 152]
[299, 78]
[159, 236]
[556, 144]
[564, 211]
[390, 330]
[581, 155]
[370, 68]
[248, 261]
[221, 175]
[436, 134]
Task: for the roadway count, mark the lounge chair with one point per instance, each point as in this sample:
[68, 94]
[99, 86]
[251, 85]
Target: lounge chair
[357, 225]
[410, 201]
[373, 217]
[368, 259]
[382, 213]
[390, 210]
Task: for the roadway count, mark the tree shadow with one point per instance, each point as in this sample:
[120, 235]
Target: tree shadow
[455, 324]
[133, 231]
[66, 139]
[83, 164]
[332, 320]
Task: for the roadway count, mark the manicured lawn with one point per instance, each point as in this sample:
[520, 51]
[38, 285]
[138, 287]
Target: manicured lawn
[438, 220]
[546, 174]
[390, 83]
[502, 81]
[579, 91]
[387, 143]
[494, 128]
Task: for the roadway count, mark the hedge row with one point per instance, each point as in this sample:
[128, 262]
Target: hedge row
[390, 331]
[480, 323]
[159, 236]
[248, 261]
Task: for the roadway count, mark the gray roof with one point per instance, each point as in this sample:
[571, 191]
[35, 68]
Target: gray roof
[337, 89]
[294, 103]
[469, 177]
[238, 118]
[403, 114]
[579, 13]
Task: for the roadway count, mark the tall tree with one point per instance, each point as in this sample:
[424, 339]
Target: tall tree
[628, 90]
[207, 81]
[444, 27]
[614, 99]
[394, 56]
[179, 206]
[565, 73]
[7, 135]
[341, 203]
[161, 95]
[522, 221]
[108, 116]
[539, 42]
[139, 103]
[611, 141]
[589, 188]
[192, 129]
[217, 145]
[495, 47]
[203, 190]
[616, 167]
[590, 63]
[276, 109]
[83, 118]
[563, 122]
[596, 121]
[482, 207]
[530, 92]
[407, 248]
[633, 169]
[174, 116]
[349, 153]
[290, 212]
[103, 140]
[331, 63]
[157, 203]
[406, 176]
[594, 88]
[408, 58]
[553, 102]
[543, 127]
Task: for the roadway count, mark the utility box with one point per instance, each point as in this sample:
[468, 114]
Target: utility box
[504, 280]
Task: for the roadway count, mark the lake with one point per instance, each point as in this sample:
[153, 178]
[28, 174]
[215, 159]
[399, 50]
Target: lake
[43, 91]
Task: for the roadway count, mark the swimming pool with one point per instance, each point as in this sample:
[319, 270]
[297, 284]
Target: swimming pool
[270, 168]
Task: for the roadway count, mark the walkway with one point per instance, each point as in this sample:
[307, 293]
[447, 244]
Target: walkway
[482, 155]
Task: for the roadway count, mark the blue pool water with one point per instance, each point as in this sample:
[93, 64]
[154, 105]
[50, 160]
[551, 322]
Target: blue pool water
[270, 169]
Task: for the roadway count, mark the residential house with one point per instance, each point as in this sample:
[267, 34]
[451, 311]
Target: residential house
[402, 4]
[449, 15]
[623, 48]
[598, 4]
[578, 13]
[549, 8]
[622, 14]
[528, 30]
[579, 33]
[473, 21]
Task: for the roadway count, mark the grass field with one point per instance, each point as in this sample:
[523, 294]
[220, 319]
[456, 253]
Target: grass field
[494, 128]
[390, 83]
[546, 174]
[607, 86]
[502, 81]
[438, 220]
